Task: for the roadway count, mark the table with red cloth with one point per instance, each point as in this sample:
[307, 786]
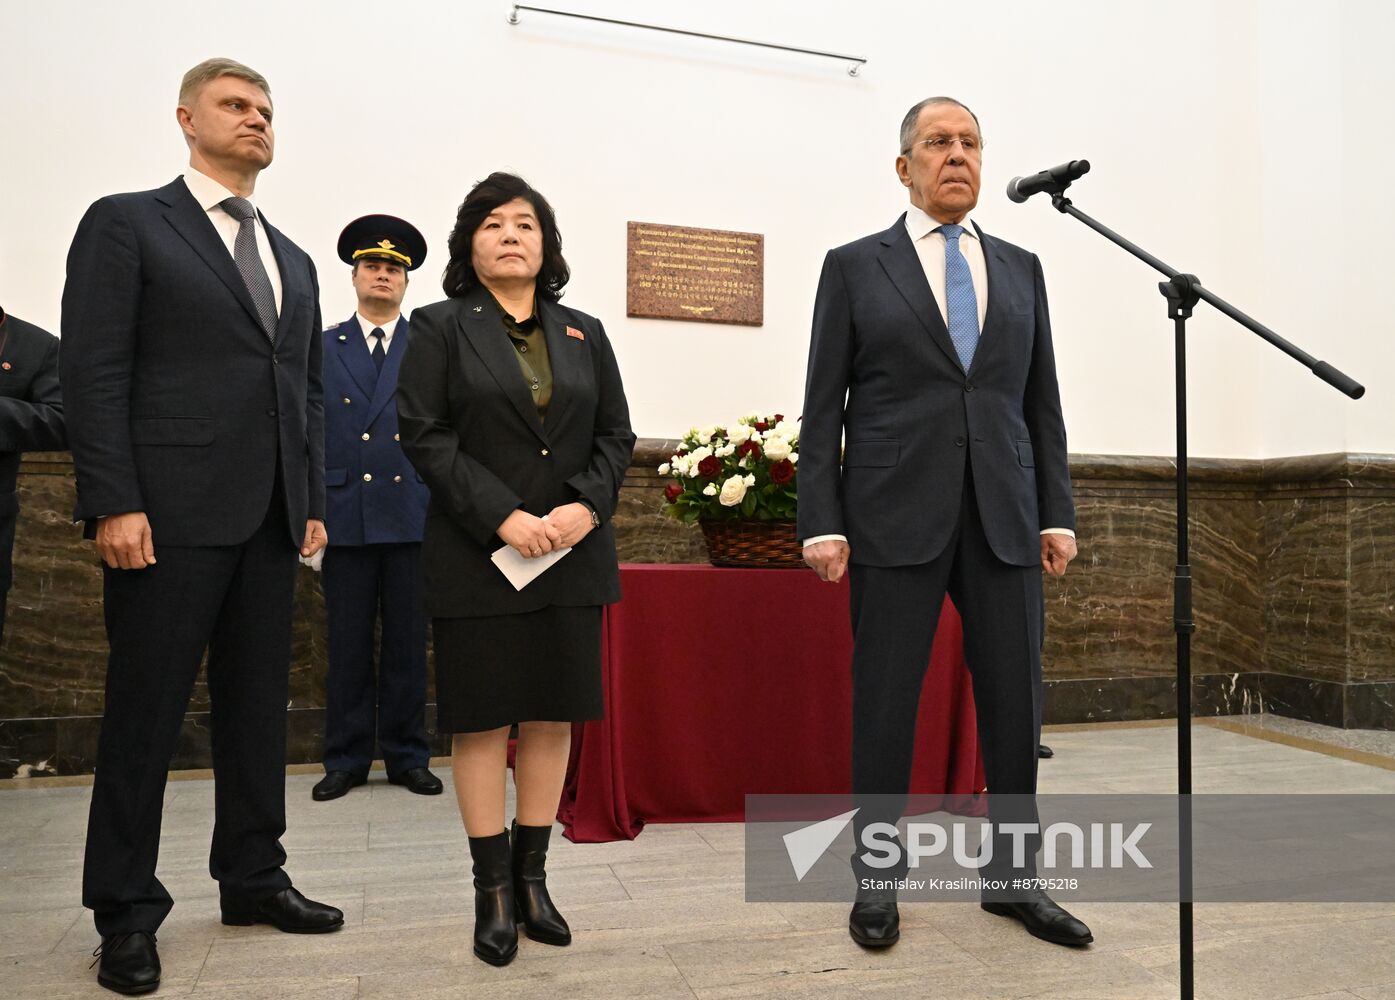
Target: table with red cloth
[725, 682]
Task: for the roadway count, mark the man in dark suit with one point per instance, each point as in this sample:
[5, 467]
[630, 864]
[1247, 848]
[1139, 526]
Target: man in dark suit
[31, 419]
[931, 352]
[376, 509]
[191, 357]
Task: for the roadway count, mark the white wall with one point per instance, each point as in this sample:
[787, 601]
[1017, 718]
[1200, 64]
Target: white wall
[1246, 141]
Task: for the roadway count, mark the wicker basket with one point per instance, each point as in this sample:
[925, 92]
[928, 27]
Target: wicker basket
[766, 544]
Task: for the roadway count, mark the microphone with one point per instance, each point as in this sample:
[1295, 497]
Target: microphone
[1054, 180]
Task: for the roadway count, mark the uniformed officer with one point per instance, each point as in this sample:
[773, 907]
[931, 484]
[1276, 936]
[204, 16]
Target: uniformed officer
[375, 512]
[31, 419]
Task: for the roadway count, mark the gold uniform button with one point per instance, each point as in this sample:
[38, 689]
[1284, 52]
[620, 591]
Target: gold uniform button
[397, 479]
[397, 437]
[544, 453]
[365, 437]
[367, 477]
[347, 400]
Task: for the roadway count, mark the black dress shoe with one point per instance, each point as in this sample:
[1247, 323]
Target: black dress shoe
[287, 911]
[875, 923]
[1043, 918]
[336, 783]
[1044, 751]
[129, 963]
[419, 780]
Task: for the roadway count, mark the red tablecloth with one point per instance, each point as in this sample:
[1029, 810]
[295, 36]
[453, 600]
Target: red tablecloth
[725, 682]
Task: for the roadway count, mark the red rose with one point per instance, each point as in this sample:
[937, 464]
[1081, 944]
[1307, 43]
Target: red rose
[762, 426]
[747, 448]
[782, 472]
[710, 467]
[779, 417]
[672, 492]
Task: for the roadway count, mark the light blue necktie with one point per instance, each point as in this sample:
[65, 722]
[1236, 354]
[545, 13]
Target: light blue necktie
[960, 301]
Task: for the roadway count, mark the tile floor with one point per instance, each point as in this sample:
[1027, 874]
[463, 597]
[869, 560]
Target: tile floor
[663, 916]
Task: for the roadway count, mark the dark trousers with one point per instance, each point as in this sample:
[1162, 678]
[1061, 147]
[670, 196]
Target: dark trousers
[363, 583]
[894, 614]
[234, 601]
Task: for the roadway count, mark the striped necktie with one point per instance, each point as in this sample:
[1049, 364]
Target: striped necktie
[249, 262]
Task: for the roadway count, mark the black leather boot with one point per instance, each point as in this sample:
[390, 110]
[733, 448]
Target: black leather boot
[496, 935]
[535, 910]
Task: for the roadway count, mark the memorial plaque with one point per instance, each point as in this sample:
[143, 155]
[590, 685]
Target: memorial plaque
[705, 275]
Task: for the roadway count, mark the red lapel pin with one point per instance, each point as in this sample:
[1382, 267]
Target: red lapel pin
[571, 332]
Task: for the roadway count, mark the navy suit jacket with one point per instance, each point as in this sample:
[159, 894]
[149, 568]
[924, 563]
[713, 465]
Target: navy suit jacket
[471, 428]
[884, 374]
[362, 440]
[177, 403]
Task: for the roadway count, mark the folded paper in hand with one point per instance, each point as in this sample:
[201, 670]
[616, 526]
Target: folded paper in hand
[520, 571]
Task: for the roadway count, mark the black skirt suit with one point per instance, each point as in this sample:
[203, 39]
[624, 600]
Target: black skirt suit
[470, 427]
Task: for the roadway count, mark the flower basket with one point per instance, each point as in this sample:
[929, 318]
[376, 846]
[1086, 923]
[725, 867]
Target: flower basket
[765, 544]
[739, 484]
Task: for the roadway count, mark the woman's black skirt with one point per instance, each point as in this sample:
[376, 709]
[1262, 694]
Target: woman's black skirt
[540, 666]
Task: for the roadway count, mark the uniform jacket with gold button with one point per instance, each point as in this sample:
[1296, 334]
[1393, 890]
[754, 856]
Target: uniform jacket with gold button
[470, 426]
[372, 493]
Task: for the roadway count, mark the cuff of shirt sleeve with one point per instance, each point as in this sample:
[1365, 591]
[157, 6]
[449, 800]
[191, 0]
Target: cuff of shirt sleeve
[824, 538]
[1058, 531]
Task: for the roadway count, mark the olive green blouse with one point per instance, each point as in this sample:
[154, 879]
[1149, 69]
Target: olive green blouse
[530, 347]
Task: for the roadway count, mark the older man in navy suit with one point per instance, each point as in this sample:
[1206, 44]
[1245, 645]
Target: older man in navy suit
[191, 375]
[931, 353]
[376, 511]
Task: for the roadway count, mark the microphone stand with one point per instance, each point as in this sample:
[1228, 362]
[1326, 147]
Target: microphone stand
[1182, 292]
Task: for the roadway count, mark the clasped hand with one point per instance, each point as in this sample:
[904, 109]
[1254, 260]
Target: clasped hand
[561, 528]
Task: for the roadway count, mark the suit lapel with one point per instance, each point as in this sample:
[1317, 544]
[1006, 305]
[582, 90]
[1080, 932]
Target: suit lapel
[484, 329]
[999, 294]
[293, 282]
[565, 355]
[902, 265]
[192, 224]
[354, 356]
[387, 378]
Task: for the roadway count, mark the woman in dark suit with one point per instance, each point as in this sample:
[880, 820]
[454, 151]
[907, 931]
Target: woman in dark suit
[512, 410]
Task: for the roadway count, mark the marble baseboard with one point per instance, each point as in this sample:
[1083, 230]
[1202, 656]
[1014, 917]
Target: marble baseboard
[68, 745]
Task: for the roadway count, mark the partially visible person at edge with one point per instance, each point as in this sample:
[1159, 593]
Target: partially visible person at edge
[31, 419]
[512, 409]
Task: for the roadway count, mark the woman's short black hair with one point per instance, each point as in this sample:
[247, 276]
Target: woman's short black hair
[499, 189]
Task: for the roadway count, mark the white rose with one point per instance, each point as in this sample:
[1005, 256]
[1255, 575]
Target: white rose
[740, 434]
[733, 491]
[725, 450]
[664, 469]
[750, 480]
[794, 458]
[788, 430]
[697, 456]
[710, 490]
[777, 449]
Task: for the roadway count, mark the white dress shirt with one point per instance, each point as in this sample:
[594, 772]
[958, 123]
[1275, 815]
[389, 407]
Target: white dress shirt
[387, 329]
[930, 248]
[210, 196]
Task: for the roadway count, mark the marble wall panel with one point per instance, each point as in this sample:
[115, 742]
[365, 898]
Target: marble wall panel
[1294, 563]
[1371, 637]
